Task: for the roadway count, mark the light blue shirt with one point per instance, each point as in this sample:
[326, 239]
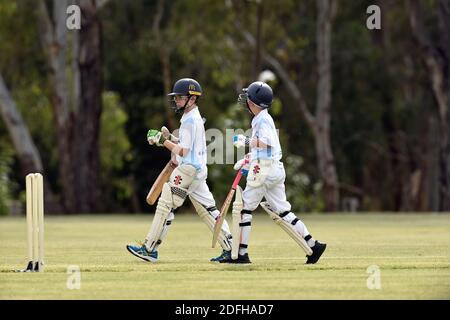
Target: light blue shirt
[264, 129]
[192, 137]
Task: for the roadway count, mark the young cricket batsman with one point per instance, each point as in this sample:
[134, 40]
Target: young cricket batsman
[265, 179]
[188, 178]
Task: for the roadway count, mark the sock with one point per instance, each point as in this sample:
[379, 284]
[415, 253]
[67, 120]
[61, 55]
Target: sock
[246, 226]
[310, 241]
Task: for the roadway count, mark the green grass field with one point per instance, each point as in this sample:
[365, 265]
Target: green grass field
[412, 252]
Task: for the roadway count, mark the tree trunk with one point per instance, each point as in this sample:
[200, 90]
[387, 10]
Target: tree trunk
[164, 58]
[444, 37]
[445, 166]
[436, 58]
[259, 39]
[77, 116]
[165, 63]
[85, 152]
[327, 170]
[324, 152]
[433, 158]
[54, 43]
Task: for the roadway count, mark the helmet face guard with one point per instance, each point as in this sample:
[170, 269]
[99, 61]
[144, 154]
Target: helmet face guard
[173, 102]
[243, 100]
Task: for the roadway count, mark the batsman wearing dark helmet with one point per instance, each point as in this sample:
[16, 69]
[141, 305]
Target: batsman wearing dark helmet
[188, 178]
[265, 179]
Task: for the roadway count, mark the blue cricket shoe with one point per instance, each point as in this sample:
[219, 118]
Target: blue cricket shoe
[143, 253]
[225, 256]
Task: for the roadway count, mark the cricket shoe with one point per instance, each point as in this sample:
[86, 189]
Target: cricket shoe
[226, 255]
[317, 250]
[242, 258]
[143, 253]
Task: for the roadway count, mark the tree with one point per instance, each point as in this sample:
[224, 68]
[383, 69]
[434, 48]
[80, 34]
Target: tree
[164, 51]
[26, 150]
[436, 58]
[24, 145]
[76, 110]
[319, 123]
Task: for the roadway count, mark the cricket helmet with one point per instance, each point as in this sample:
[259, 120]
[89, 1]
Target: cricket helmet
[186, 87]
[260, 93]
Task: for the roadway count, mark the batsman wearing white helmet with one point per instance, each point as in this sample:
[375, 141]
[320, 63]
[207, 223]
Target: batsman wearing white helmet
[265, 179]
[188, 178]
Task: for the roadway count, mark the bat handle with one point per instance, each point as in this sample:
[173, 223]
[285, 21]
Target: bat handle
[236, 180]
[238, 176]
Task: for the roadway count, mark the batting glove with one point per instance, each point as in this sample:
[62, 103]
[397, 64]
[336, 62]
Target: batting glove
[240, 141]
[169, 136]
[155, 137]
[243, 164]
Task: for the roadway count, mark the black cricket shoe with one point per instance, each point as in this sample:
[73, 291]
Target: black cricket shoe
[317, 250]
[242, 258]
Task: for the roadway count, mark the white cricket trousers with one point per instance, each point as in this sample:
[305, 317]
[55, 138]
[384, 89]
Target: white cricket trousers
[273, 190]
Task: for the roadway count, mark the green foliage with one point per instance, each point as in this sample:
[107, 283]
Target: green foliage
[115, 147]
[23, 66]
[7, 186]
[21, 56]
[303, 194]
[115, 151]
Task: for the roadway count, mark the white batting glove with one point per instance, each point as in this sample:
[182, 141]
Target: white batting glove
[240, 141]
[243, 164]
[166, 134]
[240, 163]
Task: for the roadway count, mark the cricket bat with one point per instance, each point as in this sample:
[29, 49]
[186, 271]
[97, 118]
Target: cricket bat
[163, 177]
[225, 206]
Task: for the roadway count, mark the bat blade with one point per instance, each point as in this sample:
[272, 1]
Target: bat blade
[221, 218]
[223, 211]
[157, 186]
